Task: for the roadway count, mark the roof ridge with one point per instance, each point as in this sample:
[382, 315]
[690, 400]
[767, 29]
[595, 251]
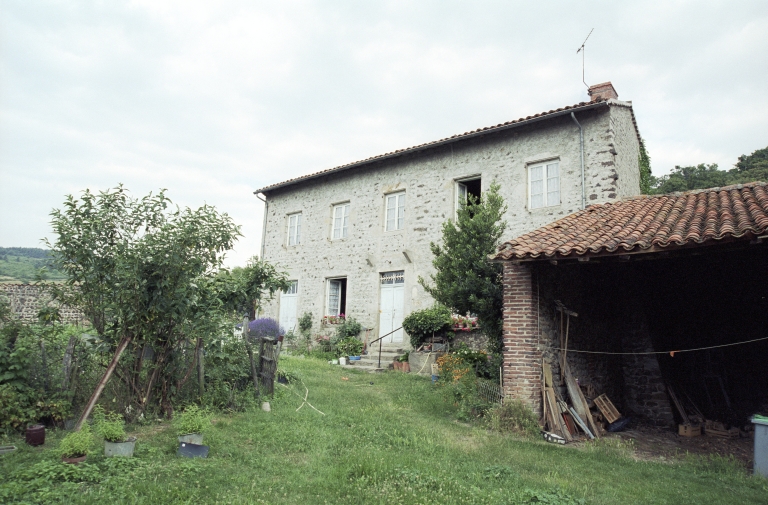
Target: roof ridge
[453, 138]
[730, 187]
[644, 222]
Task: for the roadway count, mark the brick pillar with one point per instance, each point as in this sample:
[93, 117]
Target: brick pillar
[522, 356]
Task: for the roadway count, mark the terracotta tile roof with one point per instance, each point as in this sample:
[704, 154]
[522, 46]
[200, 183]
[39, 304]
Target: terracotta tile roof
[649, 223]
[455, 138]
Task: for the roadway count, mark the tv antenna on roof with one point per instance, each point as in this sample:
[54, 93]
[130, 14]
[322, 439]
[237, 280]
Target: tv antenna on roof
[583, 50]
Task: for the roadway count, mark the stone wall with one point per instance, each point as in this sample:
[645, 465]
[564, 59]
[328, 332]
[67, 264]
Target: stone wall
[429, 179]
[27, 299]
[475, 340]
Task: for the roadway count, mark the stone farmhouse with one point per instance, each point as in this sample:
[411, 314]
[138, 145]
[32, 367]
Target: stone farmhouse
[354, 239]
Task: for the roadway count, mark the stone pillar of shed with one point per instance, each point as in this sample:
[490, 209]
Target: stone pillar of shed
[522, 354]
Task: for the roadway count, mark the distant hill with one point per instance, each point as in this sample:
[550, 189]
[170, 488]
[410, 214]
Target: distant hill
[22, 264]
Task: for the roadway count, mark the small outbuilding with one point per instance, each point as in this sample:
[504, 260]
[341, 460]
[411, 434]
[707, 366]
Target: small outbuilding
[641, 296]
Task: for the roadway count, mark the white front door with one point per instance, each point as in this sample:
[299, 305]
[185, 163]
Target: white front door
[391, 310]
[289, 307]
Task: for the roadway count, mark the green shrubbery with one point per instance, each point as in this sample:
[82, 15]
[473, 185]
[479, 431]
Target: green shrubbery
[514, 416]
[76, 443]
[109, 425]
[421, 325]
[192, 420]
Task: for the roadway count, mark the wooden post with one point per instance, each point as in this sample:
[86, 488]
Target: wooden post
[67, 362]
[249, 348]
[102, 383]
[200, 371]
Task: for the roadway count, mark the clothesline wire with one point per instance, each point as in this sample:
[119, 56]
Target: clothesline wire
[672, 353]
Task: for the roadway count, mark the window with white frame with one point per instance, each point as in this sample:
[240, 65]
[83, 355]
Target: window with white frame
[294, 229]
[336, 297]
[544, 184]
[395, 211]
[340, 221]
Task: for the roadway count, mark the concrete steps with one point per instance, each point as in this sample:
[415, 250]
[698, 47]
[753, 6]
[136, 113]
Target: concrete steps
[370, 362]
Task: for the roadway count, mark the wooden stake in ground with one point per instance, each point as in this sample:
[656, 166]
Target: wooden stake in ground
[102, 383]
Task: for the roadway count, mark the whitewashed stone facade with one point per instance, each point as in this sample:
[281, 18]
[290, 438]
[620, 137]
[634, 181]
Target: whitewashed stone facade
[428, 175]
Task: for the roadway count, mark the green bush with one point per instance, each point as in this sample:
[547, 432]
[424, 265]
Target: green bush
[76, 443]
[350, 346]
[192, 420]
[349, 328]
[514, 416]
[109, 425]
[422, 324]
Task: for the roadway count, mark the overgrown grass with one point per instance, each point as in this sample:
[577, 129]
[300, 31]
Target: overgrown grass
[393, 441]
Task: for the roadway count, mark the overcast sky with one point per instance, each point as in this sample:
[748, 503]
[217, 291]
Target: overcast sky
[212, 100]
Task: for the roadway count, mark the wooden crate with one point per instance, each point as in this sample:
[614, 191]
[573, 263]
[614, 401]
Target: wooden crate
[689, 430]
[606, 407]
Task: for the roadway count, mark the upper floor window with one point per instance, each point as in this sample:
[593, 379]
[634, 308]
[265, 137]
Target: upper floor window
[340, 221]
[467, 189]
[294, 229]
[544, 184]
[395, 211]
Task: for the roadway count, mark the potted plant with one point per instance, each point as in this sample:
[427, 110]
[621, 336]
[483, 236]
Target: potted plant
[75, 446]
[111, 427]
[191, 424]
[402, 363]
[350, 346]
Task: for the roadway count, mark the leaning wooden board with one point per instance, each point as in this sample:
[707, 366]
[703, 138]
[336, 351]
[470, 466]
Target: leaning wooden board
[578, 400]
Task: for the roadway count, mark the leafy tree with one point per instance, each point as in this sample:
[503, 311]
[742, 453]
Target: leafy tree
[751, 168]
[646, 177]
[465, 280]
[146, 273]
[688, 178]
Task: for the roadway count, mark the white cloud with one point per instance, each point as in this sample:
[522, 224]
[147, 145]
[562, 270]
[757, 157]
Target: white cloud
[215, 99]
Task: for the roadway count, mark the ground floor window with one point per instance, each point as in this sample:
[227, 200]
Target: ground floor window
[336, 298]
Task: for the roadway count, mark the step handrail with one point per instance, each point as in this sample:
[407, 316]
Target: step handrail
[379, 341]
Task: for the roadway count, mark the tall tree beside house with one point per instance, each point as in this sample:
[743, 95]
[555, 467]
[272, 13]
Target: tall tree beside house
[465, 280]
[646, 177]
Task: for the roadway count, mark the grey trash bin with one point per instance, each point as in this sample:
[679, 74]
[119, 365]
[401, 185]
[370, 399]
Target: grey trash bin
[761, 445]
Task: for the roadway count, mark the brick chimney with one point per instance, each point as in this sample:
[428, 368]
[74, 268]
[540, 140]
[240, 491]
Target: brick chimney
[604, 91]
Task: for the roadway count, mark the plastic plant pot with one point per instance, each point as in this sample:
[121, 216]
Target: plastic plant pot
[35, 435]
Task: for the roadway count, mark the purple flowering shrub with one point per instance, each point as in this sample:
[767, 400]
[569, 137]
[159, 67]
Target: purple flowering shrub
[264, 327]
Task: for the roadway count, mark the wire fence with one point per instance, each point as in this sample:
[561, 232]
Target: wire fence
[489, 391]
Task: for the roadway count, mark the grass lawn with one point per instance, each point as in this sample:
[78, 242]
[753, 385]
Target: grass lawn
[393, 441]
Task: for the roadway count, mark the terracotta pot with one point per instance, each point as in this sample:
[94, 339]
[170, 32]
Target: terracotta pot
[36, 434]
[74, 461]
[406, 367]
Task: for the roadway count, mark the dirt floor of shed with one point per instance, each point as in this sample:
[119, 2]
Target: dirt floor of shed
[654, 444]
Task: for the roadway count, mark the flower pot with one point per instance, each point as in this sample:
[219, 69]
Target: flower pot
[122, 449]
[36, 435]
[74, 461]
[192, 438]
[342, 361]
[405, 367]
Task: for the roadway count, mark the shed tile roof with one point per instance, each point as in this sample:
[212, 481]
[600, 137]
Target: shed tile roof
[649, 223]
[454, 138]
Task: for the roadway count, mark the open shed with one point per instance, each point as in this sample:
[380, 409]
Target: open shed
[669, 291]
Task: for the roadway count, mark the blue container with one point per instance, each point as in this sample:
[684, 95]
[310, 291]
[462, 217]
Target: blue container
[434, 378]
[187, 450]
